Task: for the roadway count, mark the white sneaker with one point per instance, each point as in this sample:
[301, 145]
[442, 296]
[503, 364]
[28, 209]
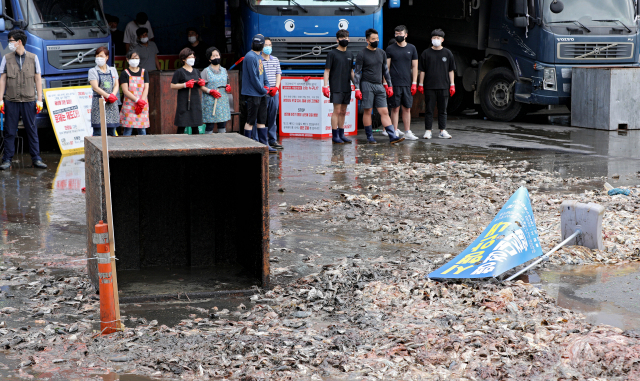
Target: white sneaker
[384, 132]
[399, 133]
[427, 135]
[444, 135]
[410, 136]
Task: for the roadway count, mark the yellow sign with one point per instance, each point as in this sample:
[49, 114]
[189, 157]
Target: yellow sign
[70, 113]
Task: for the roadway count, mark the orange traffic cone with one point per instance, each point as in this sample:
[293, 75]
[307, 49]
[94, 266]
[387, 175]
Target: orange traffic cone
[108, 323]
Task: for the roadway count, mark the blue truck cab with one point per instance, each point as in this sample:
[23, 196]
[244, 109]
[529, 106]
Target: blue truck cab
[64, 34]
[304, 31]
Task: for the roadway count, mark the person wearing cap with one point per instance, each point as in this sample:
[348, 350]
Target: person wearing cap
[371, 68]
[437, 67]
[21, 78]
[198, 47]
[274, 74]
[147, 51]
[141, 21]
[117, 36]
[255, 87]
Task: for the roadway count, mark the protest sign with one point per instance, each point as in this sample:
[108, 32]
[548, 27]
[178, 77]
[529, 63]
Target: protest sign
[70, 113]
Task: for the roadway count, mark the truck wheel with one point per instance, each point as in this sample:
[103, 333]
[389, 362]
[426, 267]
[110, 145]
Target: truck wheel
[497, 100]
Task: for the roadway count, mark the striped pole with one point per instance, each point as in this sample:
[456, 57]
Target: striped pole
[108, 323]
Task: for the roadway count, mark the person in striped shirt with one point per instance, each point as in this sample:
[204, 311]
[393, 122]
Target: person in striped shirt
[274, 74]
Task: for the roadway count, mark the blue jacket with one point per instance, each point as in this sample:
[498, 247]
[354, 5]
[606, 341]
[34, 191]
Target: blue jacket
[254, 78]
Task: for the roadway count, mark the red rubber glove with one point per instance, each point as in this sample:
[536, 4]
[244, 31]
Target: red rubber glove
[421, 89]
[111, 98]
[228, 88]
[201, 82]
[359, 95]
[389, 91]
[414, 88]
[189, 84]
[2, 107]
[452, 90]
[326, 92]
[139, 109]
[273, 91]
[307, 78]
[215, 93]
[142, 102]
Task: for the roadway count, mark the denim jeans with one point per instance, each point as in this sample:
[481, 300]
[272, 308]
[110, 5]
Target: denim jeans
[111, 131]
[139, 131]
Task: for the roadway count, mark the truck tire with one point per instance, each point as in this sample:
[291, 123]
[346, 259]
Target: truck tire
[498, 103]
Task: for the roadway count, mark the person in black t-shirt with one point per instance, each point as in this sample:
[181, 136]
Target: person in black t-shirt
[371, 66]
[198, 47]
[437, 68]
[338, 74]
[402, 59]
[117, 36]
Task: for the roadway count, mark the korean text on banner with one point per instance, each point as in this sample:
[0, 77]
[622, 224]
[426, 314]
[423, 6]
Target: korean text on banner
[70, 113]
[305, 112]
[509, 241]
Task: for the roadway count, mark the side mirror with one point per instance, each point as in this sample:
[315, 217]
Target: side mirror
[520, 7]
[557, 6]
[521, 22]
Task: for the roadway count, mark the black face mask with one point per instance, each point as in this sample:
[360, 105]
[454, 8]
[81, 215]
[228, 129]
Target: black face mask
[257, 47]
[374, 44]
[215, 61]
[399, 38]
[343, 43]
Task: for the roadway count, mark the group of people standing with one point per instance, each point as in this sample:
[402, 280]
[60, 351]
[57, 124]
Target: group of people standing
[377, 71]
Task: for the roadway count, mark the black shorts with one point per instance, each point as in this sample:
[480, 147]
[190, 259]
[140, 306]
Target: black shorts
[401, 97]
[340, 98]
[256, 110]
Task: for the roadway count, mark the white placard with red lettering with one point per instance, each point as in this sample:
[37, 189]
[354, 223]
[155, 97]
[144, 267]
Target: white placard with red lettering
[70, 113]
[305, 112]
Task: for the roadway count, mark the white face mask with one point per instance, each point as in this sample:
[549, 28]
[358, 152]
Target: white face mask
[101, 61]
[12, 46]
[191, 61]
[113, 29]
[436, 42]
[144, 40]
[192, 39]
[134, 62]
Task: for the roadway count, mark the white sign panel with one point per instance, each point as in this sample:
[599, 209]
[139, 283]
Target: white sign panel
[70, 113]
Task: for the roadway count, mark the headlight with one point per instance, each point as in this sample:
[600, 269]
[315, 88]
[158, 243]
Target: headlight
[549, 79]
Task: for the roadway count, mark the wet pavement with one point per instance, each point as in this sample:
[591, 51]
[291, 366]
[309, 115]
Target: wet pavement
[43, 212]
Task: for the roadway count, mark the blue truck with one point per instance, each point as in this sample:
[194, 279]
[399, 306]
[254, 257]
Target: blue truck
[304, 31]
[515, 56]
[64, 34]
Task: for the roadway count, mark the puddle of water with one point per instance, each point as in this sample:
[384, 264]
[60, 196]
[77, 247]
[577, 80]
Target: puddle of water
[604, 294]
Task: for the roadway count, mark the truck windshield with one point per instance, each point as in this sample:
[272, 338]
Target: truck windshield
[587, 11]
[306, 3]
[53, 13]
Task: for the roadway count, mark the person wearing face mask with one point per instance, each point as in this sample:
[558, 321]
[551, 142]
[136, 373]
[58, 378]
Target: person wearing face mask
[187, 81]
[104, 82]
[402, 59]
[274, 74]
[130, 36]
[215, 103]
[199, 48]
[371, 68]
[437, 68]
[147, 51]
[255, 87]
[117, 36]
[135, 87]
[21, 78]
[338, 74]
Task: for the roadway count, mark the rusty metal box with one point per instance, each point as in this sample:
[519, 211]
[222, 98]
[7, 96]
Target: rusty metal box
[171, 207]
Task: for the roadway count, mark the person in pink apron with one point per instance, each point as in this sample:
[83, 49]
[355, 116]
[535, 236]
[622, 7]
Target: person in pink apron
[135, 87]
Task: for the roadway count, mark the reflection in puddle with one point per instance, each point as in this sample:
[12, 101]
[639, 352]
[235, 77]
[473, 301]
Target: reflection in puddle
[604, 294]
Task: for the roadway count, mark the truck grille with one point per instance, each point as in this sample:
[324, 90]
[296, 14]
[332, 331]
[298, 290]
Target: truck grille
[69, 82]
[595, 51]
[316, 49]
[66, 57]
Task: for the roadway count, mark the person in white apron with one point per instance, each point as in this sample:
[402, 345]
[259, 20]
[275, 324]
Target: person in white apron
[135, 87]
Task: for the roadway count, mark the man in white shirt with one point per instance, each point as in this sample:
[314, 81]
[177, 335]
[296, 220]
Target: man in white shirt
[141, 21]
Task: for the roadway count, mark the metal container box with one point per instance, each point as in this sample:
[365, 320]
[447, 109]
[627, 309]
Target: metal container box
[605, 98]
[183, 202]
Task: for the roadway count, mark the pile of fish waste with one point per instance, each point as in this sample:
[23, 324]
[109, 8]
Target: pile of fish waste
[445, 206]
[367, 318]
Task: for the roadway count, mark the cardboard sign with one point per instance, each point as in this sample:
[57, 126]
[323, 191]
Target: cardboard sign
[305, 112]
[70, 113]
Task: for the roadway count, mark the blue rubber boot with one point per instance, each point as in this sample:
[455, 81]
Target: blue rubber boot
[369, 131]
[393, 138]
[342, 137]
[247, 133]
[335, 138]
[263, 138]
[254, 134]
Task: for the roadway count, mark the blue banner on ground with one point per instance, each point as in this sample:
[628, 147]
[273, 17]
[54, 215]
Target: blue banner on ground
[509, 241]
